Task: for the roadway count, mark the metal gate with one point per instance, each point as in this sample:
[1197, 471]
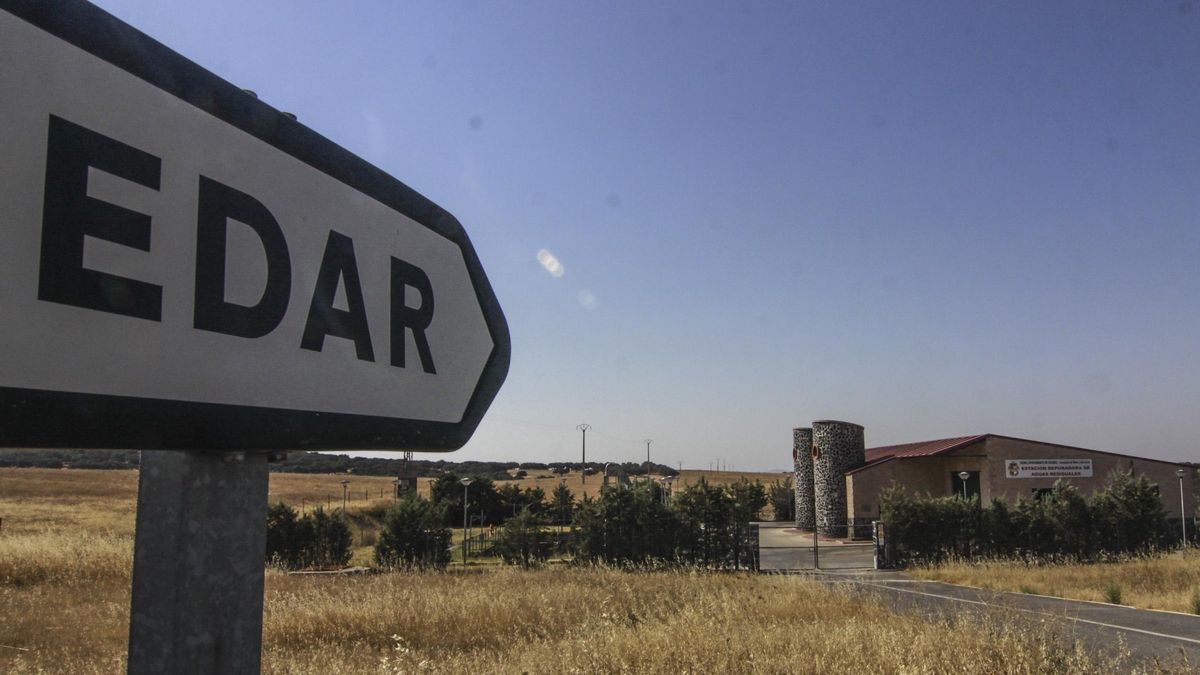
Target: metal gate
[783, 548]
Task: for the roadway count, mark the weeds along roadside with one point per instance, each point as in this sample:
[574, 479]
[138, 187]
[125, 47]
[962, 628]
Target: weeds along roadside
[600, 620]
[1169, 581]
[72, 617]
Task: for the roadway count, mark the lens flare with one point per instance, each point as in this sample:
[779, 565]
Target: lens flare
[548, 261]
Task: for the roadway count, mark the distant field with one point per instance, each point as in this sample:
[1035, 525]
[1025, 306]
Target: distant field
[104, 500]
[576, 484]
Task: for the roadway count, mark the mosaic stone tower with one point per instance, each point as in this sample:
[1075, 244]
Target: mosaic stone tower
[802, 444]
[839, 448]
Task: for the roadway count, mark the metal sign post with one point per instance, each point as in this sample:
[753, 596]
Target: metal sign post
[197, 595]
[188, 269]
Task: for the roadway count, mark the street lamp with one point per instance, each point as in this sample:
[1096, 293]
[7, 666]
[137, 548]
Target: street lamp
[345, 492]
[1182, 512]
[466, 483]
[964, 476]
[584, 429]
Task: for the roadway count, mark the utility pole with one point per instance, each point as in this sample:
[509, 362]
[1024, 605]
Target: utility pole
[583, 461]
[648, 442]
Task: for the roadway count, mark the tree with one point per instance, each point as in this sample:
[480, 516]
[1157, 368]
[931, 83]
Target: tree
[535, 500]
[562, 503]
[705, 513]
[446, 492]
[288, 537]
[331, 539]
[1128, 514]
[749, 499]
[521, 540]
[625, 525]
[782, 496]
[511, 500]
[413, 536]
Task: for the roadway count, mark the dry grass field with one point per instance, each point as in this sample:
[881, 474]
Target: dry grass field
[578, 486]
[1170, 582]
[65, 559]
[65, 599]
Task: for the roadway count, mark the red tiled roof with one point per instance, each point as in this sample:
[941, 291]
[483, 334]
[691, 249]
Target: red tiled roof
[922, 449]
[887, 453]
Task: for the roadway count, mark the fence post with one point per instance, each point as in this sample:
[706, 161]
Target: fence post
[884, 549]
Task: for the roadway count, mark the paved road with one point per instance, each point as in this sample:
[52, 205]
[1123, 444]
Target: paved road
[1169, 637]
[786, 548]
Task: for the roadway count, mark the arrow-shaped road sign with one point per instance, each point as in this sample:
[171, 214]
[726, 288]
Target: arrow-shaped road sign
[184, 267]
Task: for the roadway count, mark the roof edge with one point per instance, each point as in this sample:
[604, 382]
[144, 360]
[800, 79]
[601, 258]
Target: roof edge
[872, 464]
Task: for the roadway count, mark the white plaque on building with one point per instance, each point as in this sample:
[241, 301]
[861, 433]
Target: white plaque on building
[1048, 468]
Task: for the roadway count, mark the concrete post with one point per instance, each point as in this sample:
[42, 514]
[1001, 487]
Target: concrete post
[198, 565]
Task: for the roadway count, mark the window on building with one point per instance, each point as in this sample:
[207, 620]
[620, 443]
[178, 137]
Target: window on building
[972, 483]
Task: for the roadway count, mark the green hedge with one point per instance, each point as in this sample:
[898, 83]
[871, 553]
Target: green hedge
[1125, 517]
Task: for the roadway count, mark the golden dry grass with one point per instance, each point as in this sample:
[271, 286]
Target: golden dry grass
[64, 600]
[1167, 582]
[105, 501]
[80, 500]
[562, 620]
[603, 621]
[307, 490]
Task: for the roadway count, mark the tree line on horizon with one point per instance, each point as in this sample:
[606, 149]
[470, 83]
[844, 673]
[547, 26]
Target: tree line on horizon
[315, 462]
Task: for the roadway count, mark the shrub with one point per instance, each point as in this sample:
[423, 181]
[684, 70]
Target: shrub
[625, 525]
[287, 540]
[331, 540]
[413, 536]
[1126, 517]
[522, 542]
[782, 495]
[706, 514]
[314, 540]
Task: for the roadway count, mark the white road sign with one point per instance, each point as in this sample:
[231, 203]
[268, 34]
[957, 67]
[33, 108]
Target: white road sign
[185, 267]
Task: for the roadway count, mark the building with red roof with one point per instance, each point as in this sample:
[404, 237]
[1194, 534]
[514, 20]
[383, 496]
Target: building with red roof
[982, 466]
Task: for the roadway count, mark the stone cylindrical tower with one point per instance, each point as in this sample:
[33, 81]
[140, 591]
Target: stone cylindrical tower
[802, 458]
[839, 448]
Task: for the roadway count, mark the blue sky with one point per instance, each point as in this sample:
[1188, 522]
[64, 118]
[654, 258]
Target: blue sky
[933, 219]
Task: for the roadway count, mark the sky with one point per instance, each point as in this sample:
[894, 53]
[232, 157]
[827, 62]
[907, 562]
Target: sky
[710, 222]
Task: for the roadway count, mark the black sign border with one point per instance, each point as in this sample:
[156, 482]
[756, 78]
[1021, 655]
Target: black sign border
[49, 419]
